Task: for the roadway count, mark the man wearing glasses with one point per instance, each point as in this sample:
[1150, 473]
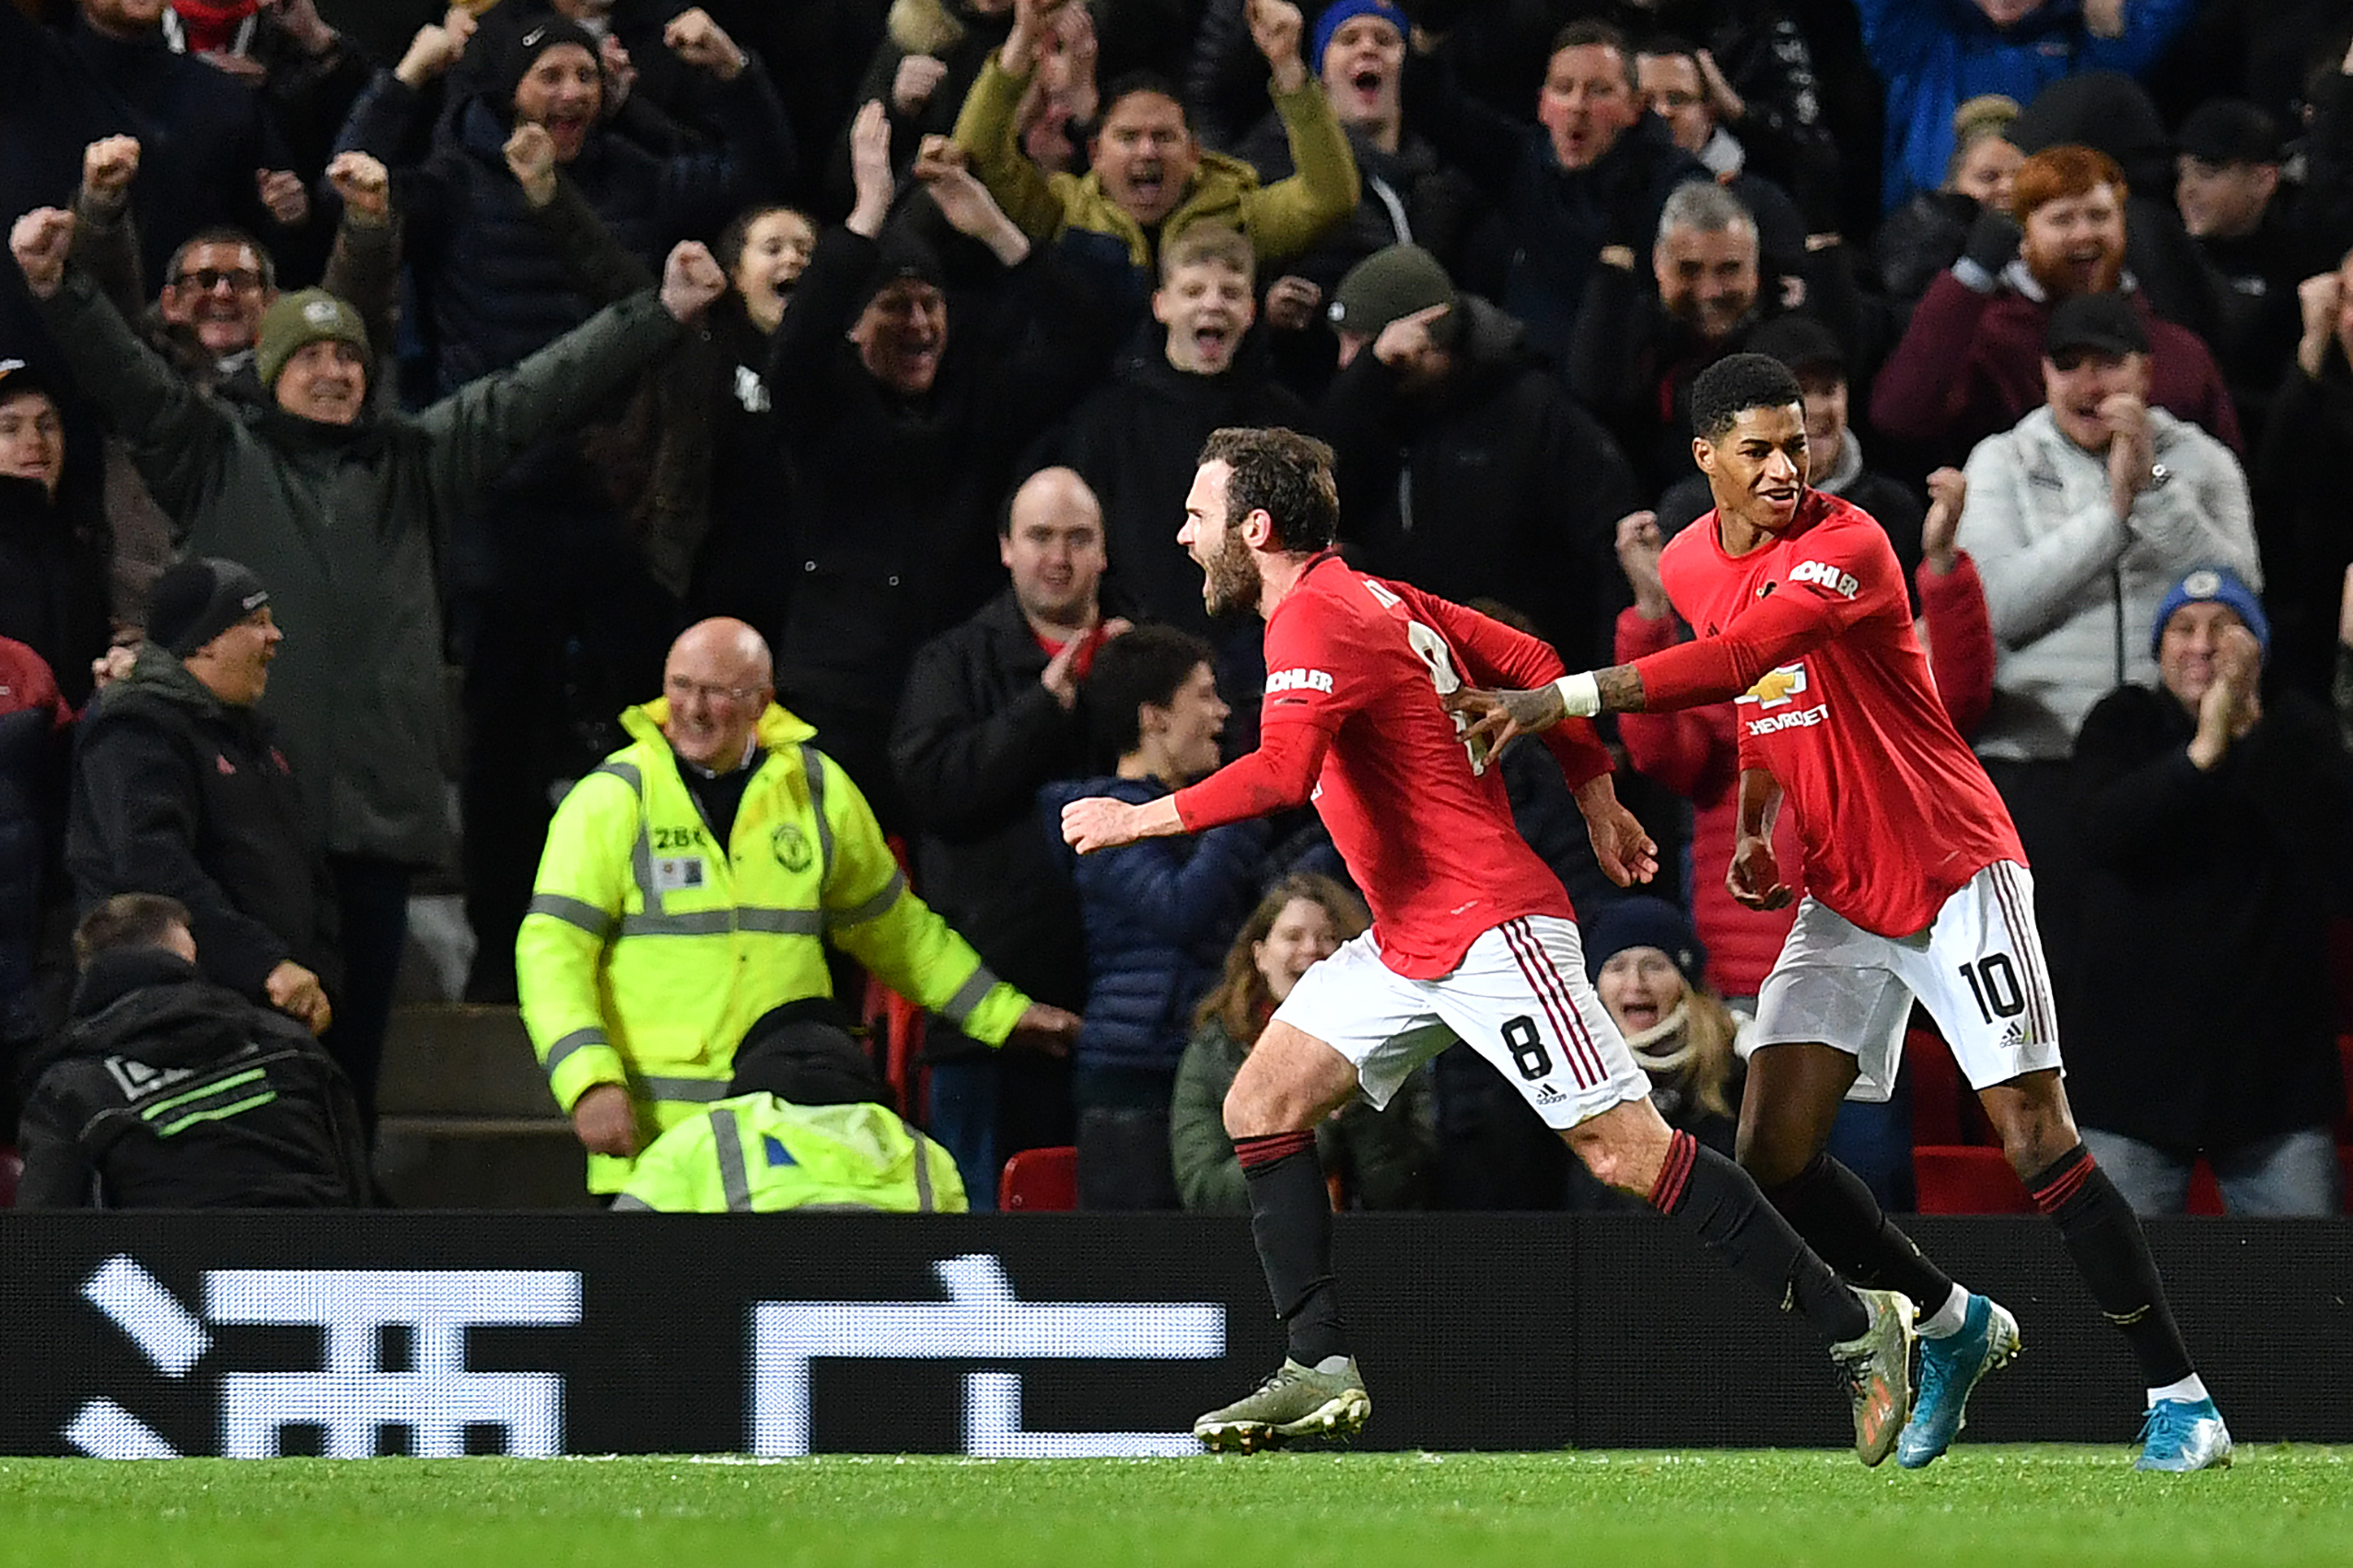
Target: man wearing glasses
[690, 885]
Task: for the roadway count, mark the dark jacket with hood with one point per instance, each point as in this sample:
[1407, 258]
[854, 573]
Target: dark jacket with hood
[169, 1092]
[1492, 483]
[499, 286]
[1560, 218]
[346, 523]
[2209, 1021]
[977, 737]
[179, 793]
[53, 582]
[1137, 442]
[1159, 915]
[898, 495]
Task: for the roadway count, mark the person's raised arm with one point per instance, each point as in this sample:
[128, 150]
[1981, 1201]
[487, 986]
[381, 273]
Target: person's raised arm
[1287, 217]
[106, 237]
[987, 127]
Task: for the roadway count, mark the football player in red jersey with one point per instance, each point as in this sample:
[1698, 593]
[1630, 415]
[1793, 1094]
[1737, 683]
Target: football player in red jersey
[1917, 890]
[1472, 935]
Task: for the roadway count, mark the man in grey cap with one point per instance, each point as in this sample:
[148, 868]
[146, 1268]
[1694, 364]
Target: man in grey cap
[345, 508]
[1464, 467]
[179, 789]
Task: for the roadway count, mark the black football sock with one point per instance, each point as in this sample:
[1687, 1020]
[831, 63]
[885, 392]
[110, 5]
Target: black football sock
[2111, 1255]
[1290, 1215]
[1720, 1200]
[1840, 1219]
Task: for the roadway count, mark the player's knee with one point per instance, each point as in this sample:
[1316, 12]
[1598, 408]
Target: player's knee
[1255, 1106]
[1770, 1161]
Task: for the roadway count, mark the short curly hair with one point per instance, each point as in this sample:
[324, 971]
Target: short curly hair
[1735, 384]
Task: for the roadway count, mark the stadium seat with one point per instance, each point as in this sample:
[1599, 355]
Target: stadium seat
[1944, 1111]
[2205, 1194]
[1967, 1179]
[12, 1166]
[1040, 1181]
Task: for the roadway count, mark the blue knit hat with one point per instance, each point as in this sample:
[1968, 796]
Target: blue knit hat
[2221, 585]
[1641, 921]
[1339, 13]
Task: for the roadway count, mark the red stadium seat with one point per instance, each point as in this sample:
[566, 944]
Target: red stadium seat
[1040, 1181]
[12, 1166]
[2205, 1194]
[1967, 1179]
[1944, 1109]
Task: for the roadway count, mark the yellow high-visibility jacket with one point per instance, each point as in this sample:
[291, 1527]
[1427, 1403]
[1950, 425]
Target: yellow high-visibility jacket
[757, 1153]
[648, 950]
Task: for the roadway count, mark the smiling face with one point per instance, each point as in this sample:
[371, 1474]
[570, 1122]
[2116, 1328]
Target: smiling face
[1207, 307]
[32, 439]
[2076, 382]
[901, 333]
[1185, 734]
[1303, 935]
[326, 381]
[776, 247]
[1586, 102]
[1986, 172]
[1640, 986]
[1363, 66]
[2187, 650]
[235, 666]
[1673, 89]
[1825, 392]
[1146, 155]
[219, 293]
[715, 684]
[563, 90]
[1757, 470]
[1707, 280]
[1230, 578]
[2076, 244]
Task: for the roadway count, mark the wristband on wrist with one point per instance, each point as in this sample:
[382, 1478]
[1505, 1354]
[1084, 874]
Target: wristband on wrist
[1580, 694]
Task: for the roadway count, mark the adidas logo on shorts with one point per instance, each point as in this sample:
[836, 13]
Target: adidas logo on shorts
[1548, 1095]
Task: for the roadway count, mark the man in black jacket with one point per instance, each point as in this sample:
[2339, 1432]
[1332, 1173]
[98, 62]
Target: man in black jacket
[180, 788]
[1464, 467]
[2216, 820]
[993, 710]
[167, 1091]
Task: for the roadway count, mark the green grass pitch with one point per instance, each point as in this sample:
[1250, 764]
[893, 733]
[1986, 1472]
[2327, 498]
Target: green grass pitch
[2003, 1507]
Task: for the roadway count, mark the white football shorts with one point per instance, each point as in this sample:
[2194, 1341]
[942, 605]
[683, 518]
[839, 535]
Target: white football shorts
[1977, 969]
[1519, 998]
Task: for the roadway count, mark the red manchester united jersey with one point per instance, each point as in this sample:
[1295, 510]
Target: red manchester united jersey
[1357, 668]
[1813, 631]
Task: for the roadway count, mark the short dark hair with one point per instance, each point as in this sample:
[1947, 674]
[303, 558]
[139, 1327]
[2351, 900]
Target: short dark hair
[1127, 84]
[1146, 664]
[1589, 32]
[1735, 384]
[727, 250]
[1663, 44]
[1283, 474]
[128, 919]
[224, 234]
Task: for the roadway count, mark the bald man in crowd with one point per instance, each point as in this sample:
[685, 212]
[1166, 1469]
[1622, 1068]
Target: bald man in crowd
[688, 886]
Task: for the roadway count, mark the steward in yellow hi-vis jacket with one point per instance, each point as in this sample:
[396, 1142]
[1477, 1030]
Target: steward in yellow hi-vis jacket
[689, 885]
[801, 1127]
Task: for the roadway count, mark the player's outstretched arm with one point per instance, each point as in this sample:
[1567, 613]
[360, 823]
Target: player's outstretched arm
[1099, 823]
[1500, 717]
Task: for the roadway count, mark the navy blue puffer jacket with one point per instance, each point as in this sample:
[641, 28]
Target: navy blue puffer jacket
[1159, 915]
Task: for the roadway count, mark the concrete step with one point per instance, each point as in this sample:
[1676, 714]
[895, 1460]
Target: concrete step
[459, 1059]
[480, 1162]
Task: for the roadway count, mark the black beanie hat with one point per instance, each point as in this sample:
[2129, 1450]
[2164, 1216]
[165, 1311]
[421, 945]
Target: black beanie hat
[197, 599]
[534, 41]
[804, 1055]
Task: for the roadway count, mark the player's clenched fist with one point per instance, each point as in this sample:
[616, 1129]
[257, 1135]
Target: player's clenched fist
[1754, 879]
[39, 241]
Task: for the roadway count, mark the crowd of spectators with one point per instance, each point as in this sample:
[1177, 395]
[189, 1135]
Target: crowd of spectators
[706, 478]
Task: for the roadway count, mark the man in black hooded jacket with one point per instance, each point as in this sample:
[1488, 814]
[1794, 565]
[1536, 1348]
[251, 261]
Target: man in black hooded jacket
[167, 1091]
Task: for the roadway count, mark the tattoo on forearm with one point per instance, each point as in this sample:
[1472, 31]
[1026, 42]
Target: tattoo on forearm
[1621, 690]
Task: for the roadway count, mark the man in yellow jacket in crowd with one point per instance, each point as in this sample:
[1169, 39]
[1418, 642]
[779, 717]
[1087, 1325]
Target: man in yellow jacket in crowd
[803, 1127]
[688, 886]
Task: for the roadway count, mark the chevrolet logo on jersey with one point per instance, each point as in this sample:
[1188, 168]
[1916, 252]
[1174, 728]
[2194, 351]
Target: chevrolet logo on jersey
[1777, 687]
